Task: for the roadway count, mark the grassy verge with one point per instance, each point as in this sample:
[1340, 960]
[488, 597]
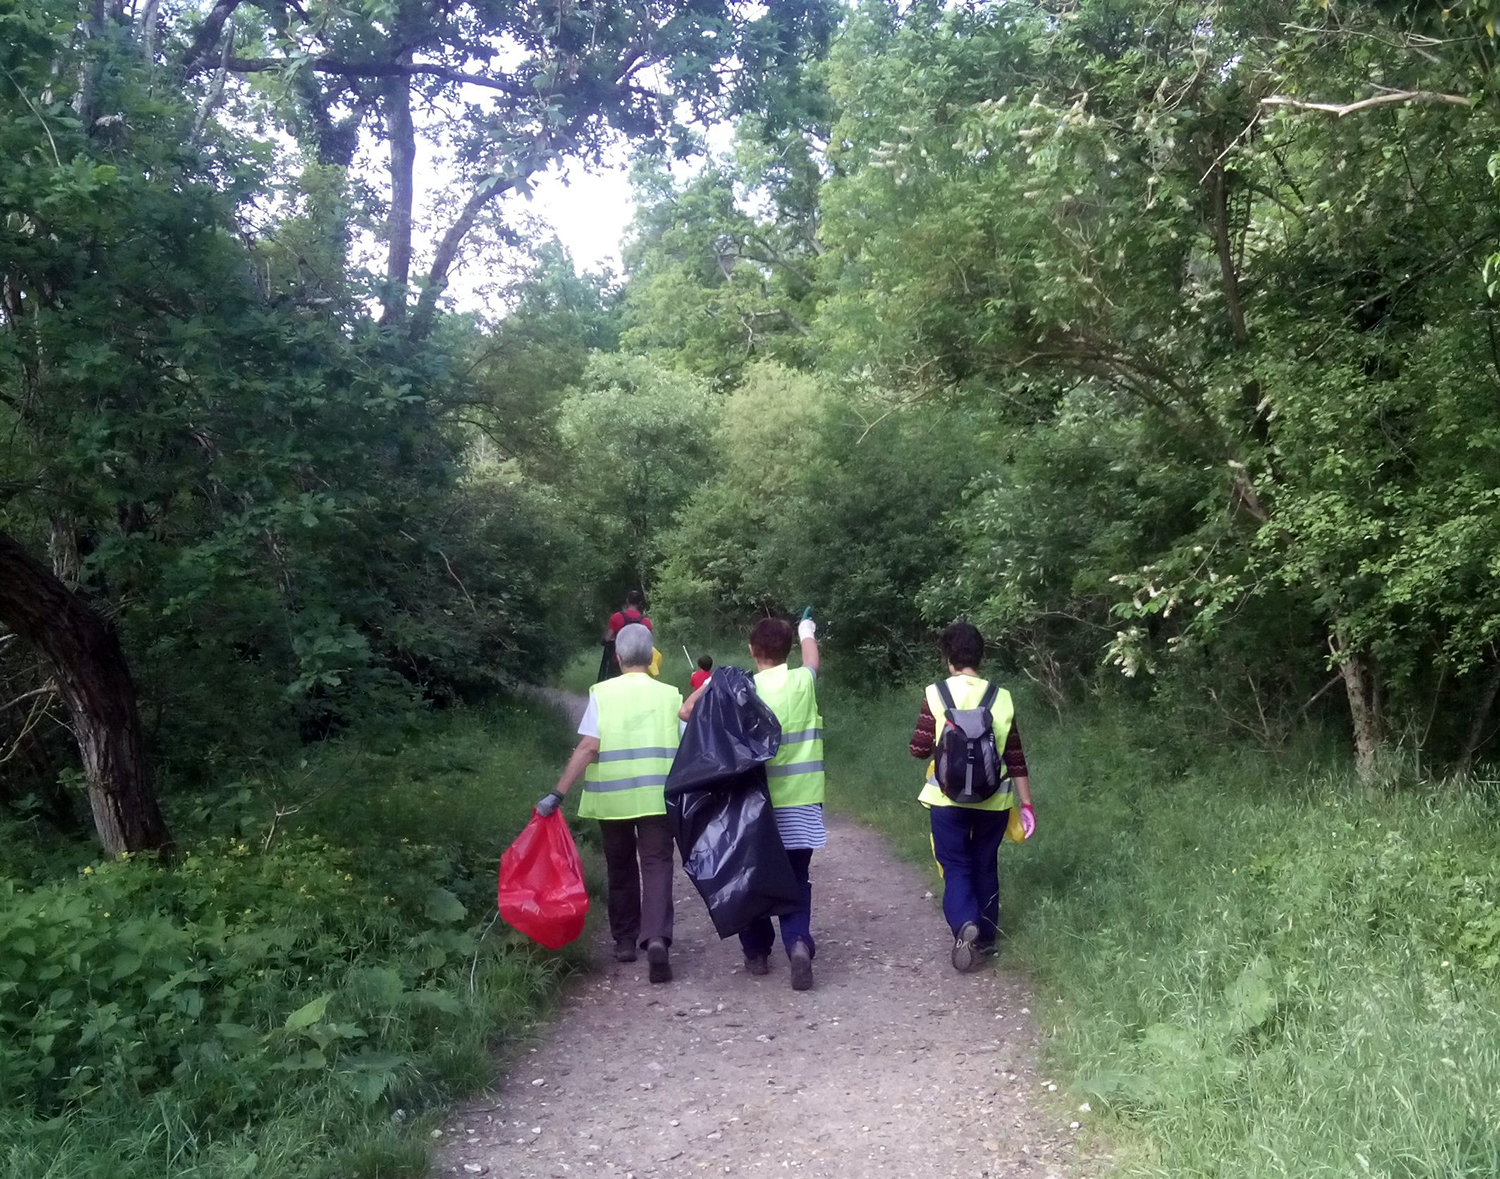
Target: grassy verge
[1250, 967]
[297, 1002]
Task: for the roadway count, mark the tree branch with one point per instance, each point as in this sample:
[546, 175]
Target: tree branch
[447, 250]
[209, 31]
[216, 94]
[1348, 108]
[383, 69]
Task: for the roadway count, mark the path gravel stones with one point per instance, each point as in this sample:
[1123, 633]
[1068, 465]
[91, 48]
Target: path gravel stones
[894, 1065]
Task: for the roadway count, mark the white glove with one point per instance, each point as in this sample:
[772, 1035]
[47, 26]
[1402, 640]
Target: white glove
[548, 803]
[807, 628]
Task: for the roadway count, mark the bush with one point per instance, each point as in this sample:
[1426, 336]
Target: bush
[285, 1001]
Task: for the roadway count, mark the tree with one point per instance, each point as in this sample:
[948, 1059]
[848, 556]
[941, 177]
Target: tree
[638, 440]
[505, 89]
[1101, 212]
[95, 682]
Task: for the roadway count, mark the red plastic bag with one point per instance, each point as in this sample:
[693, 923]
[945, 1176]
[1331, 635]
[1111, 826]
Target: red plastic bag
[541, 883]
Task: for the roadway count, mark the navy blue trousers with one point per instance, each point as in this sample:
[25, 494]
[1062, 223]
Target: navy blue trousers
[966, 843]
[760, 938]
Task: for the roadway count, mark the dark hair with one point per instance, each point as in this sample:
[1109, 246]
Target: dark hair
[706, 662]
[963, 645]
[771, 638]
[635, 598]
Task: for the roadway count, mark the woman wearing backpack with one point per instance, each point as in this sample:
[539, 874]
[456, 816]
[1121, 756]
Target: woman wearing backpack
[976, 775]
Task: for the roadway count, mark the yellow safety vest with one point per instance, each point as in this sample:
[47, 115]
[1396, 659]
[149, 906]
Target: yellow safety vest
[968, 691]
[637, 741]
[796, 772]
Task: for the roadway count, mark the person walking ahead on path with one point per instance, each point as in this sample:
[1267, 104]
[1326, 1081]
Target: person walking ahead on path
[966, 836]
[795, 776]
[628, 737]
[634, 611]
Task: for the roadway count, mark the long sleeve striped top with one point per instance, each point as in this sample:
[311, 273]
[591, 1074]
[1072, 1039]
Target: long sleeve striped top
[924, 741]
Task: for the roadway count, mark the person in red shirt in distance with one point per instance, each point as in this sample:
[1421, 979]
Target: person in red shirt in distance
[633, 611]
[705, 670]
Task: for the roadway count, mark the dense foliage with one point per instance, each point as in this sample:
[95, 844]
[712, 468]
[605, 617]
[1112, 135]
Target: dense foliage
[1189, 374]
[1160, 339]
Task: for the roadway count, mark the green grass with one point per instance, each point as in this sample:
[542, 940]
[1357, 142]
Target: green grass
[1248, 967]
[300, 1010]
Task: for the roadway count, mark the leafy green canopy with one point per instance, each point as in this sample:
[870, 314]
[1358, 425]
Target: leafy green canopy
[1216, 281]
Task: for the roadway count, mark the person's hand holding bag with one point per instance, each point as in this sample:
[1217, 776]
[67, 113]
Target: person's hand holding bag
[541, 889]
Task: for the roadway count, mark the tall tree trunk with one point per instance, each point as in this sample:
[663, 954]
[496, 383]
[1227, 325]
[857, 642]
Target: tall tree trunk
[1229, 277]
[1362, 685]
[91, 672]
[398, 225]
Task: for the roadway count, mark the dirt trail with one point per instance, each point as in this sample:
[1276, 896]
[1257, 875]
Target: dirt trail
[894, 1065]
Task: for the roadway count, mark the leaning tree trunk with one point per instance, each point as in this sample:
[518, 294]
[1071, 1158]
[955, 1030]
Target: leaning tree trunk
[1362, 686]
[91, 672]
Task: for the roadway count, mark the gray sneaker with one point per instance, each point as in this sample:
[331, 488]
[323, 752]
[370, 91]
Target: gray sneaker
[964, 953]
[656, 955]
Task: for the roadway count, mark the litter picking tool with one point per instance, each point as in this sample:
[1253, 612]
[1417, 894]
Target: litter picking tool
[687, 653]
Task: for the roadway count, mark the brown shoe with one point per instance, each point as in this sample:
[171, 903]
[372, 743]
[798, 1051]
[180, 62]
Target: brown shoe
[757, 964]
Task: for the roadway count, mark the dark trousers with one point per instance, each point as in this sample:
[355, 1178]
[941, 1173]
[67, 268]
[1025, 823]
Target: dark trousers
[966, 843]
[760, 938]
[640, 897]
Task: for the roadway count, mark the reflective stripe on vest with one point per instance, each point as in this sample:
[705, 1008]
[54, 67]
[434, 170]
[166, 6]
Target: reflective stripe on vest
[795, 774]
[637, 741]
[968, 691]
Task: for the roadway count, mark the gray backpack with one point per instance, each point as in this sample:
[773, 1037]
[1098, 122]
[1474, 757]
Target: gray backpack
[966, 763]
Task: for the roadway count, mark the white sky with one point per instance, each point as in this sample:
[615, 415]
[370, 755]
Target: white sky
[589, 211]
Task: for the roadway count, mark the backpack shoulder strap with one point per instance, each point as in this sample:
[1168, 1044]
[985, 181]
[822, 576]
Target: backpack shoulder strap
[991, 694]
[945, 695]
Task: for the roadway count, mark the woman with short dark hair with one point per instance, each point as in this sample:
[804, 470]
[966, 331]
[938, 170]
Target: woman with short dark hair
[967, 825]
[796, 782]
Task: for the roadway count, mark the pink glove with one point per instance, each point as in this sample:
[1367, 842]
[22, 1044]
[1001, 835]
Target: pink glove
[1028, 821]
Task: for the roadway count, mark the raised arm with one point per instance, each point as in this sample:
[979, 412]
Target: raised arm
[806, 629]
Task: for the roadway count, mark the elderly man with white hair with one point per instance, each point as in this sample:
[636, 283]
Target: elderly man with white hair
[627, 739]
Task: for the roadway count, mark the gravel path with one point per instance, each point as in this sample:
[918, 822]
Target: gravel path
[893, 1066]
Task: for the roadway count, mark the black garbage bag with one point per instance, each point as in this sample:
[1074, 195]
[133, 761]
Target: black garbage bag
[731, 731]
[608, 668]
[720, 806]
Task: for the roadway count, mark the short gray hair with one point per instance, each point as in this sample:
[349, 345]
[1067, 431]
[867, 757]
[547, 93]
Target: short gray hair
[633, 646]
